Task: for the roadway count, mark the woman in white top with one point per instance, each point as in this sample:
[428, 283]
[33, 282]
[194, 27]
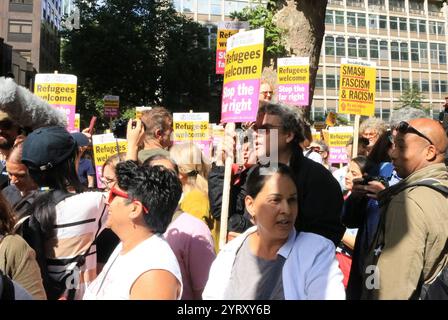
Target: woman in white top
[143, 266]
[270, 261]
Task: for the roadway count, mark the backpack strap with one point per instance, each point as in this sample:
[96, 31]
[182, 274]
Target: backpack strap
[8, 292]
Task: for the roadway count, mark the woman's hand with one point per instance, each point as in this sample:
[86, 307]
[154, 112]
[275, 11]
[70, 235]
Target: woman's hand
[371, 189]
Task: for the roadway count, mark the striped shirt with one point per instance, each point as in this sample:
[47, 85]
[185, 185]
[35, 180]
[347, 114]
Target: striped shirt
[79, 219]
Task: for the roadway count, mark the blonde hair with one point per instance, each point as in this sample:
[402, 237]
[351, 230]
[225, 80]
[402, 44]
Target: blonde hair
[193, 164]
[375, 124]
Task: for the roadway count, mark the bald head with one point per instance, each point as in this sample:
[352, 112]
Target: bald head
[434, 131]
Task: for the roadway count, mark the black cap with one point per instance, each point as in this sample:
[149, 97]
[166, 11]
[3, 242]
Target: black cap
[80, 138]
[45, 148]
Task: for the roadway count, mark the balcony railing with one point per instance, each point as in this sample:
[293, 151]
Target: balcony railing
[336, 2]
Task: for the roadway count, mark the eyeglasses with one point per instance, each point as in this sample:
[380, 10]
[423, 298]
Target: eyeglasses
[405, 127]
[118, 193]
[6, 124]
[107, 181]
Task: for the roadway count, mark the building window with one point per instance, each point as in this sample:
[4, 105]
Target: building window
[435, 86]
[362, 48]
[215, 7]
[204, 9]
[329, 17]
[339, 17]
[384, 51]
[373, 21]
[404, 51]
[319, 81]
[443, 86]
[340, 47]
[396, 84]
[414, 51]
[331, 81]
[394, 51]
[433, 50]
[441, 28]
[425, 86]
[20, 26]
[413, 25]
[442, 53]
[403, 24]
[422, 26]
[393, 23]
[188, 6]
[423, 52]
[361, 18]
[352, 52]
[432, 26]
[383, 22]
[385, 84]
[351, 19]
[374, 51]
[329, 46]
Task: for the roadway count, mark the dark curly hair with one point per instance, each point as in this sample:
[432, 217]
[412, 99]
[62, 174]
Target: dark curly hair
[291, 120]
[156, 188]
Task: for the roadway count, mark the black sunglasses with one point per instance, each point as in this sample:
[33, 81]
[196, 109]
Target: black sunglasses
[405, 127]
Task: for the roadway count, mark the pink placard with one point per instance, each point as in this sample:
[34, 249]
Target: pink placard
[220, 61]
[70, 113]
[294, 94]
[240, 100]
[338, 155]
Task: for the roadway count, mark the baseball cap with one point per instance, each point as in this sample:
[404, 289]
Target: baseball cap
[80, 138]
[45, 148]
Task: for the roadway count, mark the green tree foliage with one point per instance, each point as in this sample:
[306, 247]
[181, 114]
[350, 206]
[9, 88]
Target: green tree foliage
[261, 16]
[411, 97]
[141, 50]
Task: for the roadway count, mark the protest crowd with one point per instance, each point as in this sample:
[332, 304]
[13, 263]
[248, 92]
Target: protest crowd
[147, 222]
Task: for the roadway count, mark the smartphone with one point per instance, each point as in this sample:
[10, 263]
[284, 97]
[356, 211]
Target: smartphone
[92, 124]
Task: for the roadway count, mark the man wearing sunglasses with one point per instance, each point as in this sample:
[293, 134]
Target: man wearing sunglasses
[409, 249]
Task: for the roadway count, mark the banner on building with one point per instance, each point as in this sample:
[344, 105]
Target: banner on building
[59, 90]
[357, 87]
[105, 146]
[226, 29]
[244, 59]
[293, 75]
[111, 106]
[338, 139]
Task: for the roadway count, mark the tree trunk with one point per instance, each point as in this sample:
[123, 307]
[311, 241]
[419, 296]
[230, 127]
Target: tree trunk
[304, 23]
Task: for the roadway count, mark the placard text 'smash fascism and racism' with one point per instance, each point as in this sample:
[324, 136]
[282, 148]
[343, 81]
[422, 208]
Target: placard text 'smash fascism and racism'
[357, 87]
[59, 90]
[104, 146]
[244, 59]
[338, 139]
[192, 127]
[226, 29]
[293, 75]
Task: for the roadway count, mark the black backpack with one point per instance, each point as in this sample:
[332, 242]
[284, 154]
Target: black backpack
[31, 231]
[7, 292]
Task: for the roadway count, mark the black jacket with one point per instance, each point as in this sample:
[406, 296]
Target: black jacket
[319, 194]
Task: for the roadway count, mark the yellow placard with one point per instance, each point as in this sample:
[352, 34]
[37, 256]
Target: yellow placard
[191, 131]
[77, 121]
[325, 135]
[339, 139]
[293, 74]
[57, 93]
[357, 90]
[101, 152]
[244, 63]
[221, 38]
[331, 119]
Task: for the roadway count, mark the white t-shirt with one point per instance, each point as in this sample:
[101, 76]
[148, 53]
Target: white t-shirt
[121, 271]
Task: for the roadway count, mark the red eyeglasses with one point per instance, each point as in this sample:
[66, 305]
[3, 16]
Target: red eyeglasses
[118, 193]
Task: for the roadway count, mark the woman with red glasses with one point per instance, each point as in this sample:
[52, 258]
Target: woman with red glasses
[142, 266]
